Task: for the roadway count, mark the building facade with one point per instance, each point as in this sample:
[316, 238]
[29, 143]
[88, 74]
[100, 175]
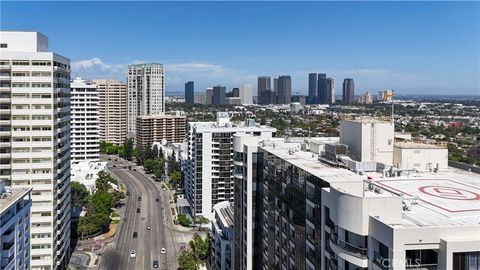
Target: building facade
[189, 92]
[84, 123]
[219, 94]
[312, 88]
[15, 241]
[284, 90]
[246, 94]
[322, 93]
[209, 175]
[112, 110]
[35, 140]
[348, 93]
[330, 91]
[222, 237]
[170, 127]
[145, 92]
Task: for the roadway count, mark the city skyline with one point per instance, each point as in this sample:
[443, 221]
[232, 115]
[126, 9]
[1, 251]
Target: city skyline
[371, 42]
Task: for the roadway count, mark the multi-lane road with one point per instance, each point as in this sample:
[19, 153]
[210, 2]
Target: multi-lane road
[154, 207]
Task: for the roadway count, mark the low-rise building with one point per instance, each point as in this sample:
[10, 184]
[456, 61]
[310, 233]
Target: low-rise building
[171, 127]
[86, 173]
[15, 204]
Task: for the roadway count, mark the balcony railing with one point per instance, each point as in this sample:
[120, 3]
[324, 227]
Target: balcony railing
[352, 249]
[380, 261]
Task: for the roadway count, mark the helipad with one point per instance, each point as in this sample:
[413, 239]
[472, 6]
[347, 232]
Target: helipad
[446, 195]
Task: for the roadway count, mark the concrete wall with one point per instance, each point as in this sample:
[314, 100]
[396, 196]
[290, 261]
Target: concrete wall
[422, 159]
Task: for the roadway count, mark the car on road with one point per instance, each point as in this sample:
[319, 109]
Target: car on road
[133, 254]
[114, 166]
[135, 234]
[139, 198]
[128, 193]
[149, 227]
[138, 210]
[157, 200]
[155, 264]
[163, 251]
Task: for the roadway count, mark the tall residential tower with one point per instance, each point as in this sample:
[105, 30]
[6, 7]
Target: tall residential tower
[348, 91]
[85, 140]
[113, 110]
[35, 140]
[146, 92]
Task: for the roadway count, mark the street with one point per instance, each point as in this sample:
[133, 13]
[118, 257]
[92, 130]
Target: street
[153, 213]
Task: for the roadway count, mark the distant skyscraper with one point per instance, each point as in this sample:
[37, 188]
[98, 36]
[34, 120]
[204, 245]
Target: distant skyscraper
[264, 89]
[275, 91]
[209, 96]
[322, 89]
[348, 91]
[330, 91]
[189, 93]
[246, 94]
[146, 92]
[284, 89]
[218, 95]
[236, 92]
[312, 88]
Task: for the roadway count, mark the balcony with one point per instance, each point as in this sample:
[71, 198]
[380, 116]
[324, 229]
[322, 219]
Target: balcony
[381, 261]
[356, 251]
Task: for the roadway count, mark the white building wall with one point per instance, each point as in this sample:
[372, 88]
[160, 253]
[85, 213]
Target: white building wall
[144, 98]
[207, 175]
[422, 159]
[39, 140]
[368, 140]
[246, 94]
[85, 122]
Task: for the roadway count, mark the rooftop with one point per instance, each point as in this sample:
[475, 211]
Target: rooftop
[414, 145]
[445, 198]
[12, 195]
[450, 198]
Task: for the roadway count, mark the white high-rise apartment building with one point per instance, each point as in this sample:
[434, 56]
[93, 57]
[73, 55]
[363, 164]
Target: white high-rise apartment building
[113, 110]
[35, 139]
[85, 137]
[146, 93]
[209, 173]
[15, 207]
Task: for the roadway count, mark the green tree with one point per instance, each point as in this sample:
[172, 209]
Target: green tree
[175, 177]
[79, 194]
[184, 220]
[186, 261]
[101, 202]
[128, 149]
[200, 248]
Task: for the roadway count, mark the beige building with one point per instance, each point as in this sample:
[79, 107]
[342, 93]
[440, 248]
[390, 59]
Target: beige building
[113, 110]
[155, 128]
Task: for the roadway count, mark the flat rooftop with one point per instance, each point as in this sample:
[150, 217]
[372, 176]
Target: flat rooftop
[414, 145]
[7, 199]
[308, 161]
[446, 198]
[231, 127]
[450, 198]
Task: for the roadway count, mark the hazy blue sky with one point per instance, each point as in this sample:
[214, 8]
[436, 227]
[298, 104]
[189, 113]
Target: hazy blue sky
[411, 47]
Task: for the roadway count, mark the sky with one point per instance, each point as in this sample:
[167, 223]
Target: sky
[410, 47]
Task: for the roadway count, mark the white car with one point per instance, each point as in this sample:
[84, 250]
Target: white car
[133, 254]
[163, 251]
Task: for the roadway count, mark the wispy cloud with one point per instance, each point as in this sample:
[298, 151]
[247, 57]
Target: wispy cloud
[95, 68]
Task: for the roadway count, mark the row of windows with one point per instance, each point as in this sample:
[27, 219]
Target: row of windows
[33, 117]
[33, 106]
